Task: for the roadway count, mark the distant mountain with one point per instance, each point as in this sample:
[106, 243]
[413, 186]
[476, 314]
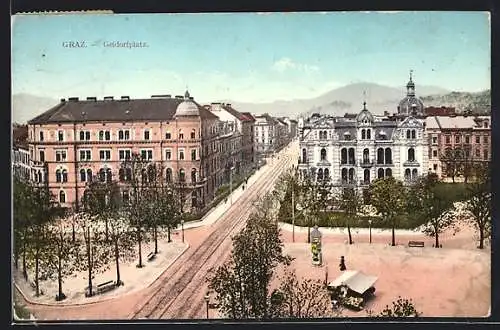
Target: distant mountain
[479, 102]
[26, 106]
[338, 101]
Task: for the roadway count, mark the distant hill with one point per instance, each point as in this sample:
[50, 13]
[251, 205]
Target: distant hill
[479, 102]
[26, 106]
[338, 101]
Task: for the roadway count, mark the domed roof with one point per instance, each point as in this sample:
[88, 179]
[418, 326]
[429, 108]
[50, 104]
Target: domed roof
[409, 105]
[187, 107]
[364, 115]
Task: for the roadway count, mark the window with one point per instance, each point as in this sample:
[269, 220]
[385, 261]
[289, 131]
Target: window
[58, 176]
[434, 140]
[89, 175]
[104, 154]
[41, 136]
[413, 136]
[60, 136]
[83, 175]
[485, 139]
[388, 156]
[434, 153]
[435, 167]
[42, 155]
[457, 138]
[64, 176]
[304, 156]
[121, 136]
[368, 134]
[193, 154]
[146, 135]
[407, 134]
[181, 135]
[380, 156]
[411, 155]
[82, 135]
[168, 136]
[193, 175]
[182, 175]
[168, 175]
[467, 139]
[407, 174]
[366, 156]
[124, 154]
[478, 139]
[352, 159]
[87, 135]
[323, 154]
[107, 135]
[485, 154]
[388, 172]
[363, 134]
[478, 152]
[60, 155]
[168, 154]
[101, 135]
[448, 139]
[181, 154]
[62, 197]
[193, 134]
[85, 155]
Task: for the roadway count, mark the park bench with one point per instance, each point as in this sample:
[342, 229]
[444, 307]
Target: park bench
[415, 244]
[106, 286]
[151, 256]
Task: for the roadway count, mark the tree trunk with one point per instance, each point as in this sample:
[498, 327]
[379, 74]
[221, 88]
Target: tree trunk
[117, 260]
[168, 232]
[59, 277]
[393, 236]
[73, 232]
[106, 229]
[25, 272]
[481, 238]
[89, 263]
[349, 233]
[37, 284]
[308, 233]
[156, 239]
[437, 239]
[139, 239]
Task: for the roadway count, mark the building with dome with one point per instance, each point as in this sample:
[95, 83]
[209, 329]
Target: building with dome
[80, 140]
[354, 150]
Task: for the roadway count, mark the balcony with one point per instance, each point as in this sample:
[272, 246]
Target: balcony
[365, 163]
[391, 164]
[323, 162]
[411, 163]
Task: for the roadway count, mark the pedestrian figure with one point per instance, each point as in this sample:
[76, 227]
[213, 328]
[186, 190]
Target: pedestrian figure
[342, 264]
[225, 200]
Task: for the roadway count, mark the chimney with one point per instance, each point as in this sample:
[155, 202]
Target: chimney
[191, 98]
[63, 100]
[73, 99]
[228, 104]
[166, 96]
[179, 97]
[92, 98]
[108, 98]
[125, 98]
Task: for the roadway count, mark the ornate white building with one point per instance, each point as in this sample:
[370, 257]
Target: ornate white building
[356, 149]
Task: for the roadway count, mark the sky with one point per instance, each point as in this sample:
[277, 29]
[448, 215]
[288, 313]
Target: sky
[247, 57]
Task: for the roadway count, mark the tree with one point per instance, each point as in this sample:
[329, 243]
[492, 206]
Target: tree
[22, 217]
[432, 206]
[43, 210]
[62, 260]
[479, 203]
[351, 202]
[242, 284]
[301, 299]
[400, 308]
[388, 197]
[452, 161]
[122, 243]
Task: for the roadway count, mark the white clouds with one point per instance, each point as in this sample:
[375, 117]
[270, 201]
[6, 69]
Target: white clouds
[285, 63]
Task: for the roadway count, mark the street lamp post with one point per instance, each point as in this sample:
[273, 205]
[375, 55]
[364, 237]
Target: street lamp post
[370, 228]
[207, 300]
[182, 229]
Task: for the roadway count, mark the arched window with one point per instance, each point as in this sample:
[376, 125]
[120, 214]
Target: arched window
[351, 175]
[102, 175]
[323, 154]
[352, 159]
[64, 176]
[193, 134]
[413, 134]
[182, 175]
[363, 134]
[343, 156]
[411, 155]
[407, 174]
[408, 134]
[388, 156]
[344, 175]
[121, 174]
[380, 173]
[366, 155]
[414, 174]
[388, 172]
[368, 134]
[193, 175]
[109, 175]
[366, 176]
[83, 175]
[327, 174]
[181, 135]
[62, 197]
[320, 174]
[101, 135]
[168, 175]
[380, 156]
[304, 156]
[89, 175]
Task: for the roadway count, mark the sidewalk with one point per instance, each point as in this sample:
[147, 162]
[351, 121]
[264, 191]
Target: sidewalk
[135, 279]
[343, 230]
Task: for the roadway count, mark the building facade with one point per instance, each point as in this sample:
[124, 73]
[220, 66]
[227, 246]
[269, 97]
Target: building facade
[355, 150]
[83, 140]
[266, 135]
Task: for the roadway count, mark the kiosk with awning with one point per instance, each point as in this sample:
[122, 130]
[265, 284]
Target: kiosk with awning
[352, 288]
